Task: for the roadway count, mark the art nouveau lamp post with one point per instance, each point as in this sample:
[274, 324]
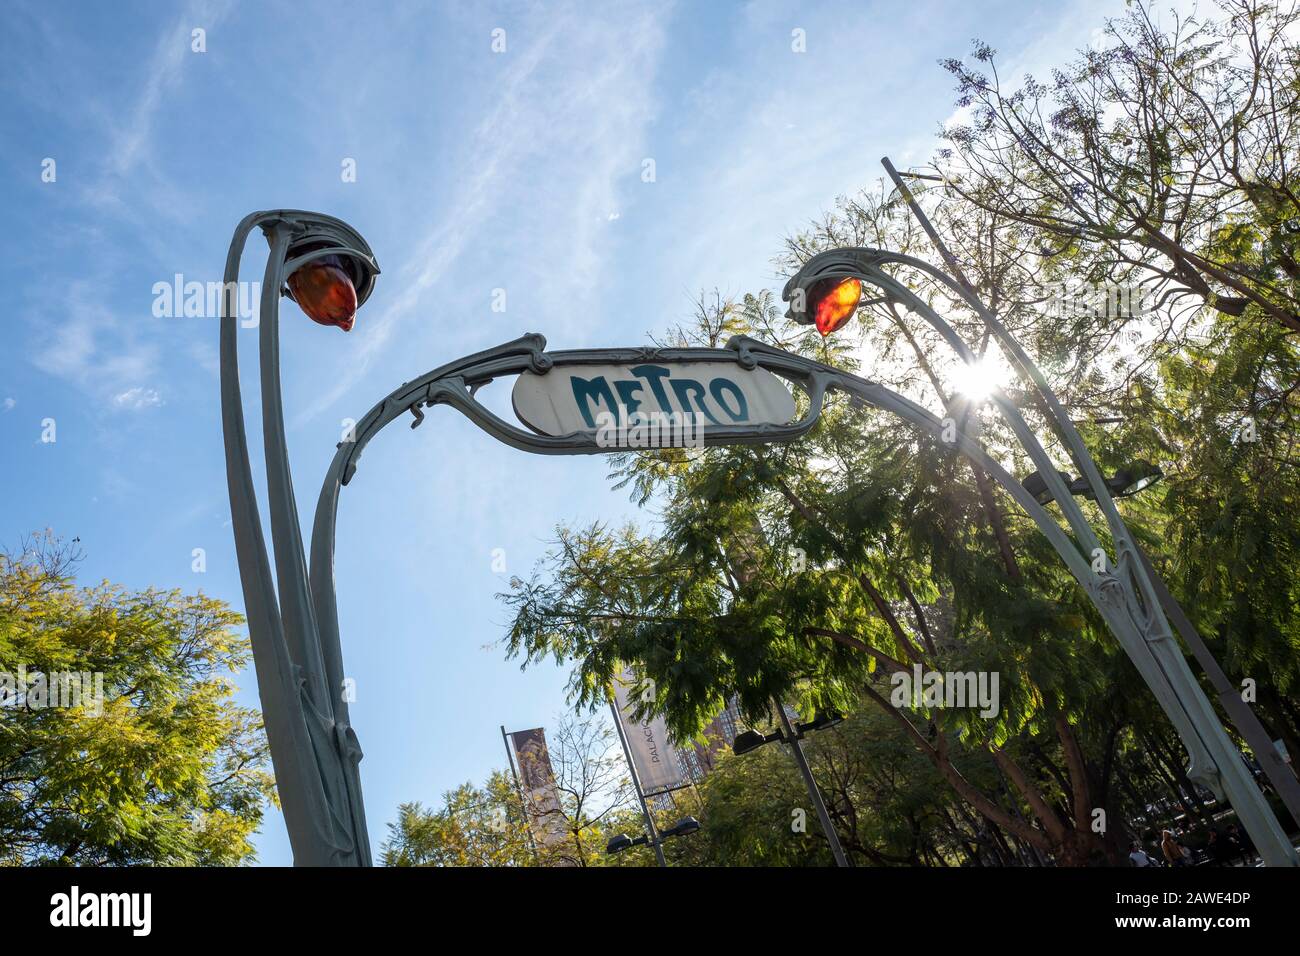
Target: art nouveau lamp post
[327, 268]
[827, 291]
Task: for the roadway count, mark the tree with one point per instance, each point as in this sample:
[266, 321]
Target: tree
[818, 571]
[593, 783]
[902, 560]
[473, 827]
[888, 805]
[488, 826]
[1162, 155]
[165, 769]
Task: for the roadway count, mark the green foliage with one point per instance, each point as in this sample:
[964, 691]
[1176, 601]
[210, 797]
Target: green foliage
[473, 827]
[171, 771]
[887, 803]
[490, 826]
[1160, 161]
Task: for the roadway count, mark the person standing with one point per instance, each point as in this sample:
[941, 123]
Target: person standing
[1138, 856]
[1172, 849]
[1220, 849]
[1242, 843]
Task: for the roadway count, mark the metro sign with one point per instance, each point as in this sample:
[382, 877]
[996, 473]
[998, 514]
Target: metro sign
[666, 404]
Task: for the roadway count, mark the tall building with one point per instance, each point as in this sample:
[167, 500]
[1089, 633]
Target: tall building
[697, 760]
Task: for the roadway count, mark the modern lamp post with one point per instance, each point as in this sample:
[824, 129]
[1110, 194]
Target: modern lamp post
[826, 292]
[790, 733]
[683, 827]
[654, 837]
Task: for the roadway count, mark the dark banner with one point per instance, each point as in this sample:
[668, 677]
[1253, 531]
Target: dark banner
[537, 780]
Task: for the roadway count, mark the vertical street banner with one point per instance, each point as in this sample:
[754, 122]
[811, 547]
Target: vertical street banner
[537, 779]
[653, 753]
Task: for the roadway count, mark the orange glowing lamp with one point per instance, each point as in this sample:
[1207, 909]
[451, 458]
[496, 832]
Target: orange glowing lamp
[324, 290]
[833, 301]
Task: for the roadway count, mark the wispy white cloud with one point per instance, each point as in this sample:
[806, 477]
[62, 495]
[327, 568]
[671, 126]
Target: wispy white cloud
[137, 398]
[557, 141]
[70, 353]
[130, 148]
[82, 342]
[799, 130]
[78, 336]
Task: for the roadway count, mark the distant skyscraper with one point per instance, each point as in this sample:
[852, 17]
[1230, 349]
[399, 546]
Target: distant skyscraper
[697, 761]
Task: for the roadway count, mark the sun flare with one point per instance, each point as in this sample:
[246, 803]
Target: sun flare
[975, 381]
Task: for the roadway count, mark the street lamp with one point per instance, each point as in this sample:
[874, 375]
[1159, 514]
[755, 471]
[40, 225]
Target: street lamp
[750, 740]
[821, 721]
[1121, 588]
[623, 842]
[832, 301]
[683, 827]
[1126, 482]
[1036, 485]
[1136, 477]
[325, 266]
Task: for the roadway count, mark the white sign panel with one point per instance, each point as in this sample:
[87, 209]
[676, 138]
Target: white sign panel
[655, 757]
[656, 404]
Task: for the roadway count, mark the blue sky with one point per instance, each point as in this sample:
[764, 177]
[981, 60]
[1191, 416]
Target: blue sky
[475, 171]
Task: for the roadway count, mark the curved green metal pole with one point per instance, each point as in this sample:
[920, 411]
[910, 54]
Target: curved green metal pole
[1125, 596]
[1130, 618]
[454, 384]
[310, 768]
[294, 631]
